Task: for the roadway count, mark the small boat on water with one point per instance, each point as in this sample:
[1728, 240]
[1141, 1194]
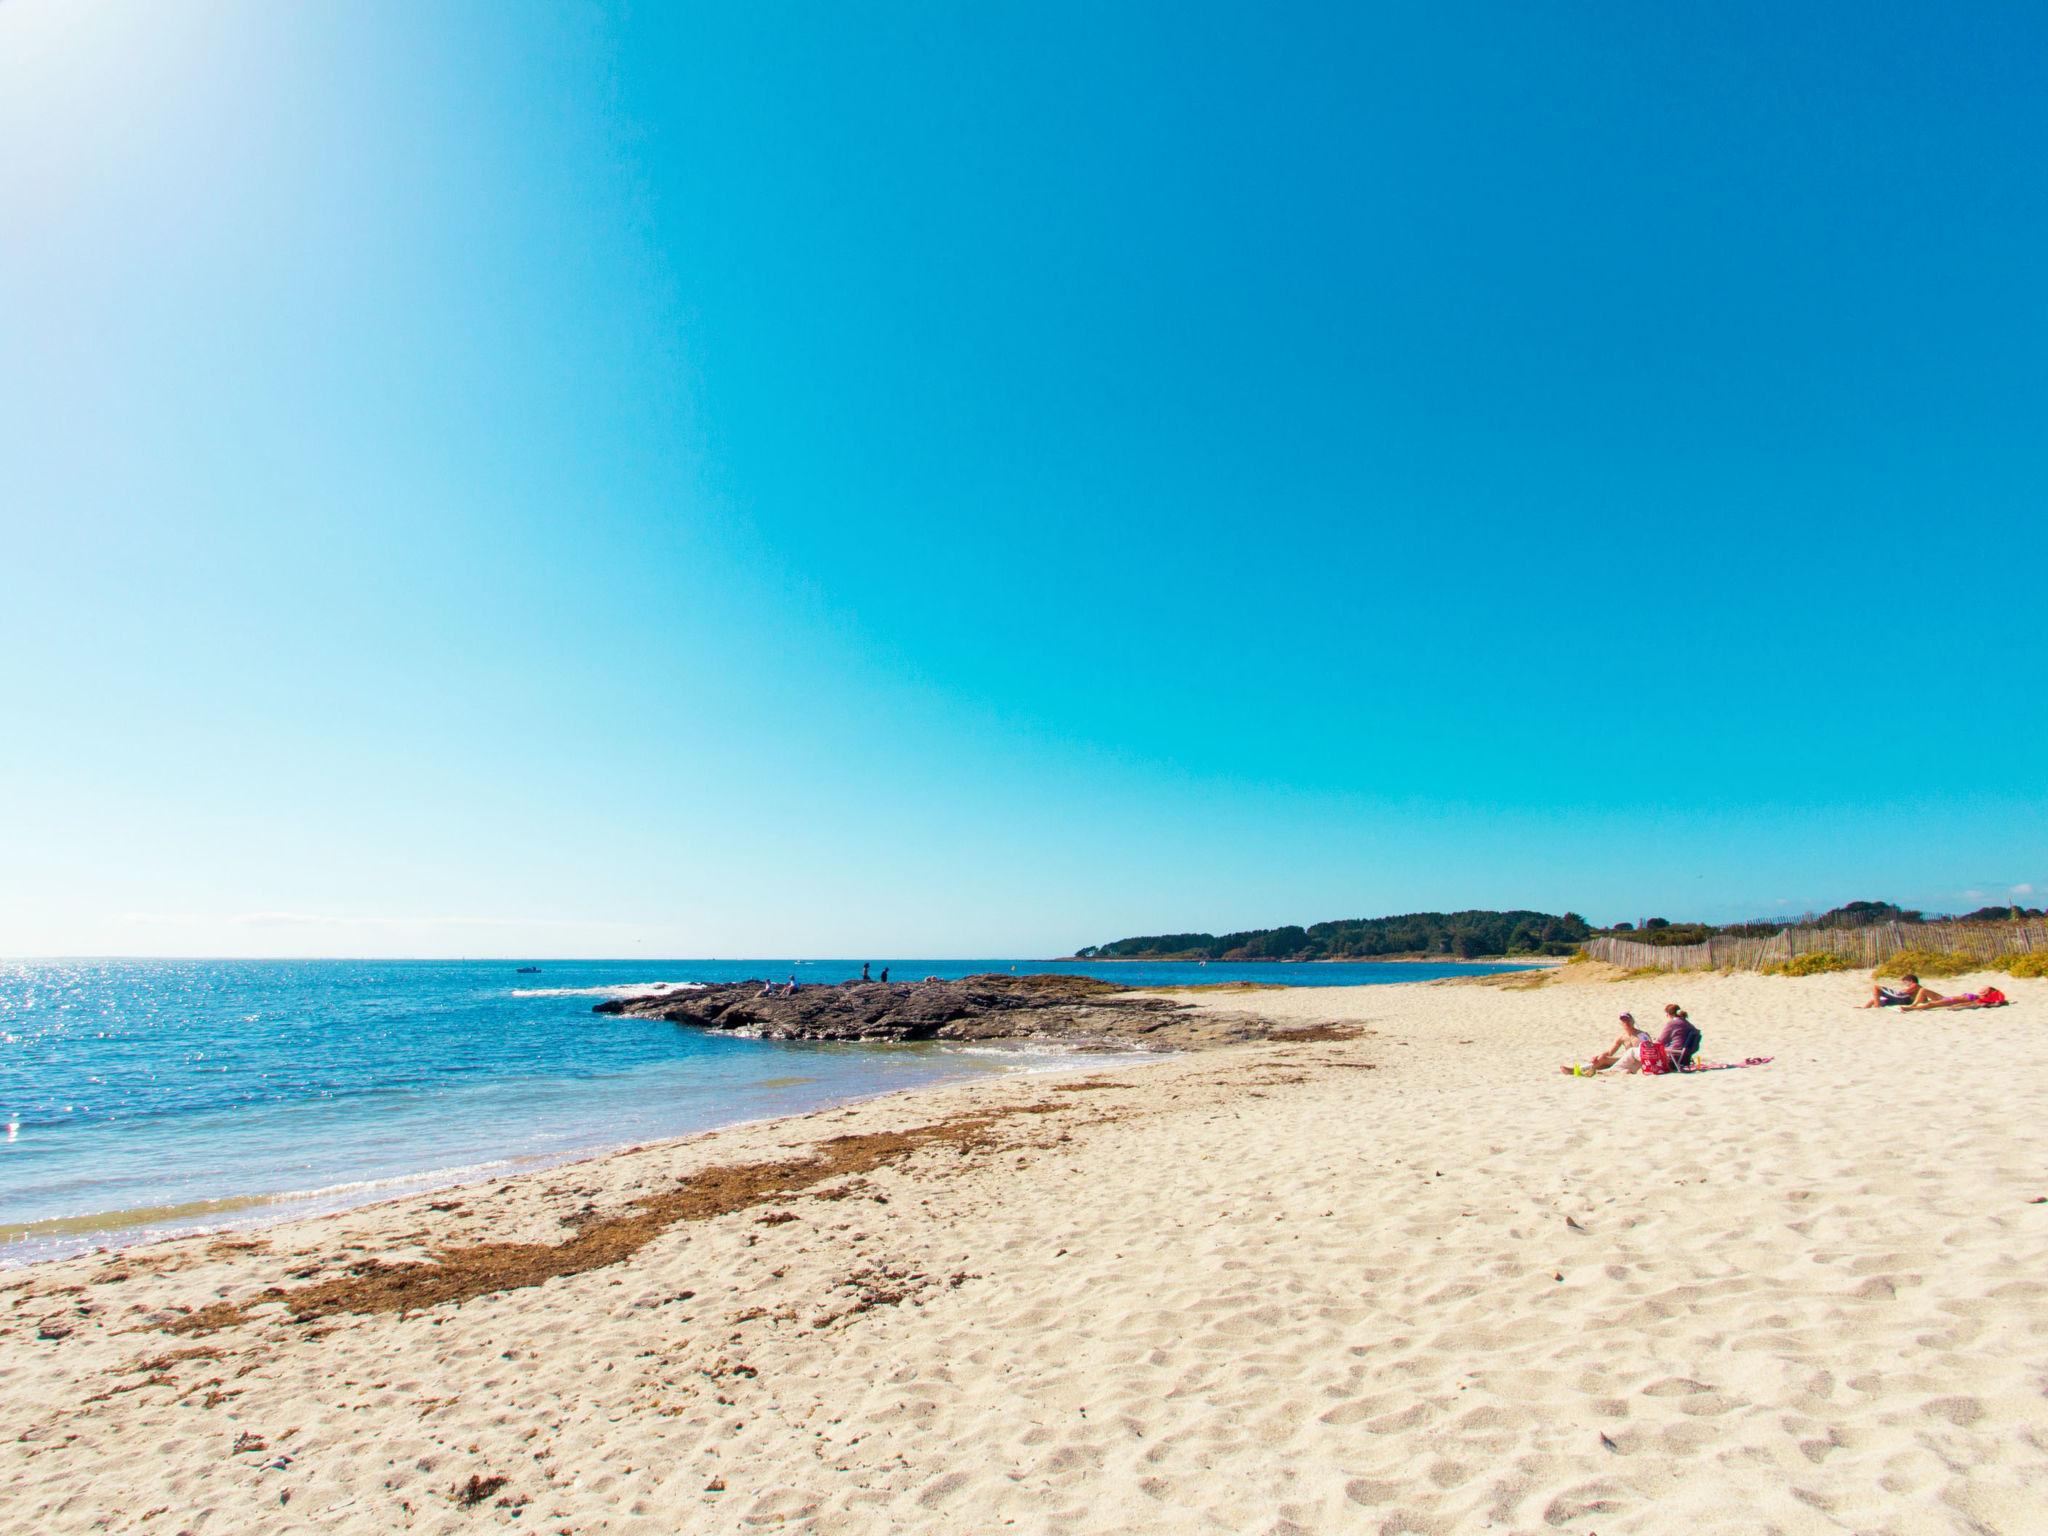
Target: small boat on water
[527, 970]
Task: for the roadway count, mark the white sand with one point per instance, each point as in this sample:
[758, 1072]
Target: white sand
[1257, 1290]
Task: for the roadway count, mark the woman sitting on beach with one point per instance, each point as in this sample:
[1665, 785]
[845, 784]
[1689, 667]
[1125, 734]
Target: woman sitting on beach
[1626, 1052]
[1905, 995]
[1681, 1037]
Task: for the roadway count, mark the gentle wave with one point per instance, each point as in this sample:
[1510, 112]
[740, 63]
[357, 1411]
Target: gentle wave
[188, 1215]
[170, 1093]
[139, 1216]
[1061, 1050]
[628, 990]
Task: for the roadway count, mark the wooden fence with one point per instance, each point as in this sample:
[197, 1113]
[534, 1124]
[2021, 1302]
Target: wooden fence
[1860, 946]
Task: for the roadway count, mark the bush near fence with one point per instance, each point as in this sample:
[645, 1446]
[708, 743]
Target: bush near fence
[1863, 948]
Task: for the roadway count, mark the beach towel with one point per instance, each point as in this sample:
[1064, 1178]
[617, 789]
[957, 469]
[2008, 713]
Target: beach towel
[1729, 1066]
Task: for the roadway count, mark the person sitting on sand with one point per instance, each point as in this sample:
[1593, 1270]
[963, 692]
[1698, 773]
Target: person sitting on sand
[1626, 1052]
[1990, 997]
[1681, 1037]
[1905, 995]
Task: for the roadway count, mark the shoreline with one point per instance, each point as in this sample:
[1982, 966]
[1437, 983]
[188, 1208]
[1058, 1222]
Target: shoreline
[1511, 960]
[145, 1212]
[1377, 1273]
[267, 1211]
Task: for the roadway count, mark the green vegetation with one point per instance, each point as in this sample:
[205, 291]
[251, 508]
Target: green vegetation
[1931, 962]
[1853, 914]
[2035, 964]
[1467, 935]
[1867, 914]
[1819, 963]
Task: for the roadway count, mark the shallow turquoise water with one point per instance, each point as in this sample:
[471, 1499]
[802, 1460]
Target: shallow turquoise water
[147, 1096]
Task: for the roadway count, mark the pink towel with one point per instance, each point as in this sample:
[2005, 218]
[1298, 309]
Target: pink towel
[1728, 1066]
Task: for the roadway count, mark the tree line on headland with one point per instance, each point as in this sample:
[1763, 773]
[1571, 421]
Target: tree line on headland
[1468, 935]
[1480, 935]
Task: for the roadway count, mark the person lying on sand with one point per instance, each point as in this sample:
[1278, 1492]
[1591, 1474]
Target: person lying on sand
[1990, 997]
[1626, 1052]
[1908, 992]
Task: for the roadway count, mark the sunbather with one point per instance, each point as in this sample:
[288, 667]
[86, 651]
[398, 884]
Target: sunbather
[1625, 1052]
[1990, 997]
[1905, 995]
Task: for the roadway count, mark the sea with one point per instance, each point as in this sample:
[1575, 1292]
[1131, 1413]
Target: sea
[147, 1098]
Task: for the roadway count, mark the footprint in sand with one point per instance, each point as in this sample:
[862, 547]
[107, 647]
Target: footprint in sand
[1676, 1386]
[1412, 1417]
[1960, 1411]
[1581, 1502]
[1818, 1451]
[1371, 1491]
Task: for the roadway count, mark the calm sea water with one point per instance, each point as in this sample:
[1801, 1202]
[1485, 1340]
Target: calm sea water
[142, 1097]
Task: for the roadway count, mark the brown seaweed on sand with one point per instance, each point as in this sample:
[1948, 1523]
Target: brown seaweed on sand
[481, 1269]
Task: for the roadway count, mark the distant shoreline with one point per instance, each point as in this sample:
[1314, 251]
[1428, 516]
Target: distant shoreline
[1317, 960]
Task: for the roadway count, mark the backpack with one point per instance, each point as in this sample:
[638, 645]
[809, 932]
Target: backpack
[1654, 1057]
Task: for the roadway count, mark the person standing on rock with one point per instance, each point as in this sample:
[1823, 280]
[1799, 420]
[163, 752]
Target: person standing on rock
[864, 969]
[885, 975]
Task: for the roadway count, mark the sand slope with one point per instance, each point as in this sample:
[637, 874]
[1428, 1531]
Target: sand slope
[1411, 1281]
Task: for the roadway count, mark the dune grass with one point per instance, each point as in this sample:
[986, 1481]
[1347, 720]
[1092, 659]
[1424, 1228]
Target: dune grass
[1818, 963]
[1932, 962]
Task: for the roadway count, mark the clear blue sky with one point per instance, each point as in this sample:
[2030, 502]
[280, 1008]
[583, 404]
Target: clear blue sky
[913, 480]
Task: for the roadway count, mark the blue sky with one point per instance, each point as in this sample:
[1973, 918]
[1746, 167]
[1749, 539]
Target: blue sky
[485, 479]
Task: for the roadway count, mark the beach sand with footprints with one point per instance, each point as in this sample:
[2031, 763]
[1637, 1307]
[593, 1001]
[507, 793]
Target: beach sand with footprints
[1393, 1273]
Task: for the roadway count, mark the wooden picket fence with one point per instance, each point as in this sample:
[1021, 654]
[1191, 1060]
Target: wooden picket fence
[1860, 946]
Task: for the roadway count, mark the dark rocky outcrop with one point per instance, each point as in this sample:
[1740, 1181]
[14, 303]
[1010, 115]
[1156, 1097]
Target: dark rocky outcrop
[1077, 1010]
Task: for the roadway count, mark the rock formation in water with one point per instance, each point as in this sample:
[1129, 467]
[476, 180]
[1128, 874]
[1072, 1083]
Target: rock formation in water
[1077, 1010]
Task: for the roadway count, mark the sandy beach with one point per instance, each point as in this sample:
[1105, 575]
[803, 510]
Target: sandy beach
[1394, 1275]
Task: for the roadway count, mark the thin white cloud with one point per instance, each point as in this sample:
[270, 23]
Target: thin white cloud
[1989, 894]
[326, 920]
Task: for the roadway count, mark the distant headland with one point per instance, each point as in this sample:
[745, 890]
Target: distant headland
[1878, 928]
[1475, 935]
